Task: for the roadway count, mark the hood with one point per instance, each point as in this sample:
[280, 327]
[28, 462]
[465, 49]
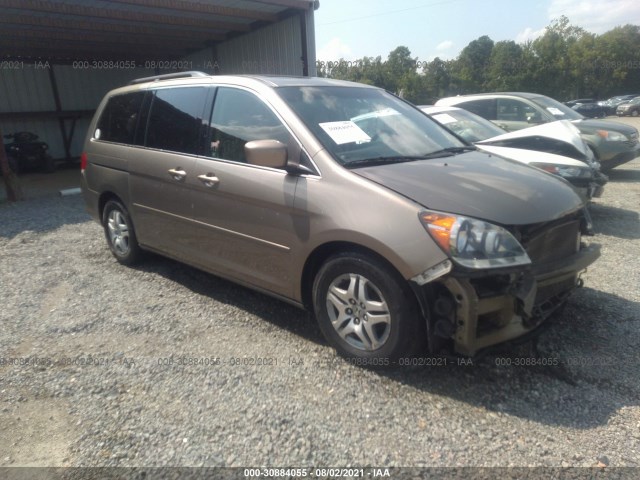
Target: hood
[529, 156]
[480, 185]
[589, 126]
[560, 131]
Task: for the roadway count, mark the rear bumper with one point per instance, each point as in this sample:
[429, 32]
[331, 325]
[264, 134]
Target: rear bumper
[516, 306]
[91, 199]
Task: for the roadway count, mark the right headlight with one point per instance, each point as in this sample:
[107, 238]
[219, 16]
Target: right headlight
[610, 136]
[564, 171]
[474, 243]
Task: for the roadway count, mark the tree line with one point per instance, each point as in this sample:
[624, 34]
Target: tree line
[565, 62]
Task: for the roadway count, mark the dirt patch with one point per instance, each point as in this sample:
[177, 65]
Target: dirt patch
[36, 433]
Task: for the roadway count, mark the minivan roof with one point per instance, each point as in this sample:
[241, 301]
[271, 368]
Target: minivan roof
[271, 80]
[255, 81]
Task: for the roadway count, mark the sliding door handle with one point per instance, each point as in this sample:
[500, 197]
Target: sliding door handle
[178, 174]
[209, 180]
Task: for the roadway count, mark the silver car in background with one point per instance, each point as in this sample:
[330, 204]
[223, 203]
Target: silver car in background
[554, 147]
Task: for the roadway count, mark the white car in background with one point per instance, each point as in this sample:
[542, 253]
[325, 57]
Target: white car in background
[555, 147]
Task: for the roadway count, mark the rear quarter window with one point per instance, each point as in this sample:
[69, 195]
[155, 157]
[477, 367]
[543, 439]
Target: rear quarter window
[120, 117]
[176, 118]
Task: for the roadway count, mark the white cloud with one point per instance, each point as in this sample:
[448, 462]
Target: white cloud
[596, 16]
[334, 50]
[529, 34]
[446, 45]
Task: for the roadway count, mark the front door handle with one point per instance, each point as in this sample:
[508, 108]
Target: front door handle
[178, 174]
[209, 180]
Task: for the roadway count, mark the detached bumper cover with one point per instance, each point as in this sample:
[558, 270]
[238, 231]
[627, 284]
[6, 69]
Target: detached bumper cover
[574, 264]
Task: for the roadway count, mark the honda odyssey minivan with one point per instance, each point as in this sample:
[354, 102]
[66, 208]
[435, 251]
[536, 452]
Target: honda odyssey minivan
[341, 198]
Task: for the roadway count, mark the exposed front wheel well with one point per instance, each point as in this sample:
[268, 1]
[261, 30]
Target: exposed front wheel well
[320, 255]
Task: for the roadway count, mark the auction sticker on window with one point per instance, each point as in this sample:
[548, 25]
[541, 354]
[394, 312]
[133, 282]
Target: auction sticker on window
[345, 132]
[444, 118]
[555, 111]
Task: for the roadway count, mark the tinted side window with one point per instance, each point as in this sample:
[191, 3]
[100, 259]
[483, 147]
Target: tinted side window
[514, 110]
[119, 118]
[175, 120]
[240, 117]
[484, 108]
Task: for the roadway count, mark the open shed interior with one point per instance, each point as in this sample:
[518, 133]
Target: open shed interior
[59, 58]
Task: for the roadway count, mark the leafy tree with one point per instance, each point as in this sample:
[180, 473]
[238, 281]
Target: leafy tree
[505, 69]
[565, 62]
[437, 78]
[553, 61]
[618, 60]
[472, 63]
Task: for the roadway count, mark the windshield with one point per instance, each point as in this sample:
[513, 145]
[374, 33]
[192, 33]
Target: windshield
[469, 126]
[557, 109]
[635, 101]
[361, 126]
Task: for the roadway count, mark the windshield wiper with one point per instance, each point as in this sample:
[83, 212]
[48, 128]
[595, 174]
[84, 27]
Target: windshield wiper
[445, 152]
[449, 152]
[370, 162]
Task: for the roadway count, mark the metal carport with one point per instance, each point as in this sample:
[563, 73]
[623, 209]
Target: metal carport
[58, 58]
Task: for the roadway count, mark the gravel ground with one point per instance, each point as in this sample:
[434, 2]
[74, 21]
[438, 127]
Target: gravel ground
[105, 392]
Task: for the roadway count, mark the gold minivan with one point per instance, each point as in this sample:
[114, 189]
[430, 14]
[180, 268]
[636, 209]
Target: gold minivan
[340, 198]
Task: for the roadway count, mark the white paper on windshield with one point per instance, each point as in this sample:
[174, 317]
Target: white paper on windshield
[444, 118]
[345, 132]
[554, 111]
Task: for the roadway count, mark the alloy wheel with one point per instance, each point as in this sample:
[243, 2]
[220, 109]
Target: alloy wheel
[358, 312]
[118, 232]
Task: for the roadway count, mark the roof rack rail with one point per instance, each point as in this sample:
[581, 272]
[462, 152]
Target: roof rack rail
[167, 76]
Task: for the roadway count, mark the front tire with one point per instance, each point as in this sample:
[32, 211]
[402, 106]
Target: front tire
[366, 311]
[120, 234]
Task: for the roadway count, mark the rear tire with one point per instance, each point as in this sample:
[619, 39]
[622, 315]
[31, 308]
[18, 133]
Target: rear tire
[366, 311]
[120, 234]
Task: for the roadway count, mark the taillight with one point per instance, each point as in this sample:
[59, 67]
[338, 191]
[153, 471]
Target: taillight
[83, 161]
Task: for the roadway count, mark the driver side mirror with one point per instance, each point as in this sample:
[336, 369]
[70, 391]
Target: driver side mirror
[266, 153]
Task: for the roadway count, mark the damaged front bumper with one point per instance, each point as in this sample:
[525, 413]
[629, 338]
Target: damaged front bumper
[476, 310]
[592, 187]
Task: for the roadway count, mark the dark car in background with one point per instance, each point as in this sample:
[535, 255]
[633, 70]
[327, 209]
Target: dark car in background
[590, 110]
[631, 108]
[573, 103]
[25, 151]
[611, 104]
[613, 143]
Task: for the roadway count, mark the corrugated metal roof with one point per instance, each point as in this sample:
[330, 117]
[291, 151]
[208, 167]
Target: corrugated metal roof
[68, 30]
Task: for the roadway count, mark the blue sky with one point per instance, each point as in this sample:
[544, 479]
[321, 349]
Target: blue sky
[356, 28]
